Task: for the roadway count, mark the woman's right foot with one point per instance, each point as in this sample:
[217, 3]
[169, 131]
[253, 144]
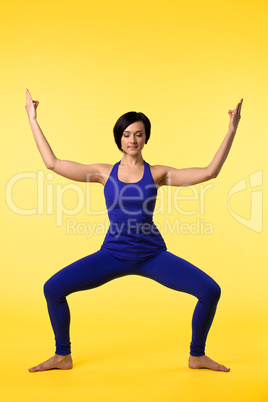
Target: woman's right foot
[200, 362]
[55, 362]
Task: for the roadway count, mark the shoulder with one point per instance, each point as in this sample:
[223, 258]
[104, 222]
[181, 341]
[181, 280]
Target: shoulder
[103, 167]
[159, 173]
[99, 172]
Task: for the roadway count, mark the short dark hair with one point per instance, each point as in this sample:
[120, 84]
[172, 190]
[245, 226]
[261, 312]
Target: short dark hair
[125, 120]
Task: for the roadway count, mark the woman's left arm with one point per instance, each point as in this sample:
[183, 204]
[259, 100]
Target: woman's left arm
[187, 177]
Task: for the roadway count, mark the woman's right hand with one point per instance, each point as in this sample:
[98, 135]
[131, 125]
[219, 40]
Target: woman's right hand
[235, 116]
[31, 106]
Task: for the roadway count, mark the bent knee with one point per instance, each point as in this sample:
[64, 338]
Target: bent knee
[215, 292]
[46, 289]
[49, 289]
[211, 293]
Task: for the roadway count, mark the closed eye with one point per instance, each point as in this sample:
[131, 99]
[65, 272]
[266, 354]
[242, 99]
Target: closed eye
[138, 135]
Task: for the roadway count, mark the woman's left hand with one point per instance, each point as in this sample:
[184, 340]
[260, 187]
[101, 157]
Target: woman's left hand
[235, 116]
[30, 106]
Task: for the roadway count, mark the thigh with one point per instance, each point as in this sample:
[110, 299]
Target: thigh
[86, 273]
[176, 273]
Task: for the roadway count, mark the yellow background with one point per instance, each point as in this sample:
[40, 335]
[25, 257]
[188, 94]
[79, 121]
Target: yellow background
[183, 64]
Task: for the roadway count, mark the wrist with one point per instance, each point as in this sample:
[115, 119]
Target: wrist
[232, 131]
[32, 120]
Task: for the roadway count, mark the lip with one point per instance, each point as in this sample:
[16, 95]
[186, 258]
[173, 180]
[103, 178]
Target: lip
[133, 147]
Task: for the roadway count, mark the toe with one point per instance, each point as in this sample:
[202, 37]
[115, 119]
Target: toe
[223, 368]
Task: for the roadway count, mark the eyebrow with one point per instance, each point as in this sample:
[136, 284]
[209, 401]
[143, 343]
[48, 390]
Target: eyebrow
[139, 131]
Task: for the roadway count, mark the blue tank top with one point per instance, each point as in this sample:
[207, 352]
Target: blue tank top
[132, 234]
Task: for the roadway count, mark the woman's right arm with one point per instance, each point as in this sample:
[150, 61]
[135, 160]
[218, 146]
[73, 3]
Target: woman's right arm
[71, 170]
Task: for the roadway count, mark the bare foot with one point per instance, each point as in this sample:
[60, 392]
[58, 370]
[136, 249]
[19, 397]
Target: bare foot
[199, 362]
[55, 362]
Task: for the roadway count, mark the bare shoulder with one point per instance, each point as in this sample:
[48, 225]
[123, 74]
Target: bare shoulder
[101, 167]
[170, 176]
[159, 173]
[102, 171]
[95, 172]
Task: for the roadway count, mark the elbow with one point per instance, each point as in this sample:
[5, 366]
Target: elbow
[212, 174]
[51, 164]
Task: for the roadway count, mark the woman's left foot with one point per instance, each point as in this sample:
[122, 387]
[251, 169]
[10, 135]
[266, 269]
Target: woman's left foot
[55, 362]
[199, 362]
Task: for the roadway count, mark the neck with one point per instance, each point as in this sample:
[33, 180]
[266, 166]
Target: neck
[132, 160]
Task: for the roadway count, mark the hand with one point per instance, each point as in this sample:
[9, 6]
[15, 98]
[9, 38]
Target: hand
[31, 106]
[235, 116]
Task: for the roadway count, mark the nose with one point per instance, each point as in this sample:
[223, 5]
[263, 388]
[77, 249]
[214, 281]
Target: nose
[132, 140]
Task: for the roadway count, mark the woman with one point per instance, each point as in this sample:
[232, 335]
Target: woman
[133, 244]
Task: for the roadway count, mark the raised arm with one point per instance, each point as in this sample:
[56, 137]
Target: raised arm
[170, 176]
[71, 170]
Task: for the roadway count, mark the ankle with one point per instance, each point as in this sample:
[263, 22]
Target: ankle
[196, 357]
[61, 357]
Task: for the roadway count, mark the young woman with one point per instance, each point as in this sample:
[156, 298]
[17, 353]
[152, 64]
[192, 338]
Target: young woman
[133, 244]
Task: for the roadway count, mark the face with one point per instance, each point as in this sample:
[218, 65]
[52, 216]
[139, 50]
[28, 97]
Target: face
[133, 138]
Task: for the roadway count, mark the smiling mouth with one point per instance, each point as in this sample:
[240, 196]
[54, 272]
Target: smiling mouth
[134, 146]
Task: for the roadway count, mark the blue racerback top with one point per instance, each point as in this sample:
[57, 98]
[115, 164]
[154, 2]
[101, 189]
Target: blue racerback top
[132, 234]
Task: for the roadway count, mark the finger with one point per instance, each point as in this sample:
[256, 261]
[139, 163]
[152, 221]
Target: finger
[240, 105]
[240, 102]
[28, 96]
[237, 109]
[237, 106]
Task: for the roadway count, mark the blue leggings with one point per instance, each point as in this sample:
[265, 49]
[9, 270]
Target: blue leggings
[100, 267]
